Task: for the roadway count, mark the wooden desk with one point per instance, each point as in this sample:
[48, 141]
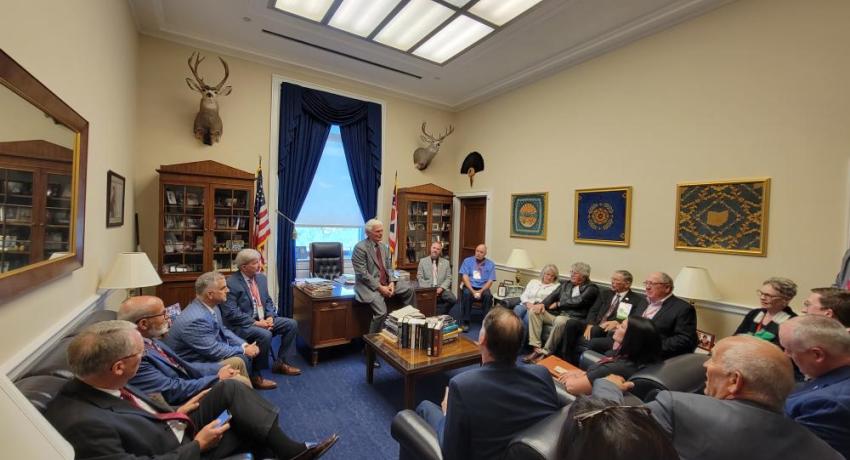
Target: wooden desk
[411, 363]
[335, 320]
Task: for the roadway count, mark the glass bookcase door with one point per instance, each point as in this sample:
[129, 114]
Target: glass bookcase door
[57, 215]
[441, 225]
[231, 221]
[183, 229]
[16, 218]
[416, 246]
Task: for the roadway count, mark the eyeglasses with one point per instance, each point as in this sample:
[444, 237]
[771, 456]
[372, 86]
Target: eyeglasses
[131, 356]
[655, 283]
[163, 314]
[585, 417]
[761, 293]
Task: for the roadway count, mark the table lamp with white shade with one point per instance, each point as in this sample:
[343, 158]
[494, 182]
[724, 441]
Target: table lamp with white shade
[695, 283]
[131, 270]
[519, 259]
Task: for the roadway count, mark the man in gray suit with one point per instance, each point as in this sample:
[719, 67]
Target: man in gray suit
[374, 281]
[740, 416]
[437, 272]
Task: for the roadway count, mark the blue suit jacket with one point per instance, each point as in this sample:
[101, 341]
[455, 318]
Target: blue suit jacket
[489, 405]
[238, 309]
[157, 375]
[196, 337]
[823, 406]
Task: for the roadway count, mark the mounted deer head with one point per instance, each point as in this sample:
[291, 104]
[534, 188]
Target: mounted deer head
[422, 156]
[208, 126]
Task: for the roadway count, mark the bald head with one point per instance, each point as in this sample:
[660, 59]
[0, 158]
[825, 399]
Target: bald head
[135, 308]
[480, 252]
[747, 368]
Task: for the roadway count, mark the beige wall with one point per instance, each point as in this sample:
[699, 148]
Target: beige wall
[167, 109]
[85, 52]
[22, 121]
[755, 88]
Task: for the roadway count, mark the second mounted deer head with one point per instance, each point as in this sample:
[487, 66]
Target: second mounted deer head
[208, 126]
[422, 156]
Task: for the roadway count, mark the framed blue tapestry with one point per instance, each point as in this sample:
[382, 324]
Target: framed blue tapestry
[724, 216]
[528, 215]
[603, 216]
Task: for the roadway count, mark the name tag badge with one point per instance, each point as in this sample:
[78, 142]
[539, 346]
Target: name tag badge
[623, 311]
[476, 275]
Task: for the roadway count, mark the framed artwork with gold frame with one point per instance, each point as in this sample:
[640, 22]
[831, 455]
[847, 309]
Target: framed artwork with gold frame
[528, 215]
[728, 217]
[603, 216]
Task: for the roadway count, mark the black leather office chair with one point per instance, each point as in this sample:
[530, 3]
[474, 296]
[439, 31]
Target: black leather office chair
[326, 260]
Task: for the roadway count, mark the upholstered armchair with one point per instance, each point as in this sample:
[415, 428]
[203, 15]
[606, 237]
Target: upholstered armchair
[326, 260]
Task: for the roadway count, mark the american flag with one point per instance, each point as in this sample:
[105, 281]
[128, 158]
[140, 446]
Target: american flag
[394, 221]
[261, 218]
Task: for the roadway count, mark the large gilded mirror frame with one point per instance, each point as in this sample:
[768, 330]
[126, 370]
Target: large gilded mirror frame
[66, 256]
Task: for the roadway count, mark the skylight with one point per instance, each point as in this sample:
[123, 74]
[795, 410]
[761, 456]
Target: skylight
[433, 30]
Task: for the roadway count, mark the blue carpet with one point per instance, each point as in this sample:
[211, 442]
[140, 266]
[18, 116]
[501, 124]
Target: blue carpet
[334, 397]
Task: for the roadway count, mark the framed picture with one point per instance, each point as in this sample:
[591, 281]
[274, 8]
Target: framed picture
[114, 199]
[603, 216]
[170, 197]
[705, 341]
[528, 215]
[724, 216]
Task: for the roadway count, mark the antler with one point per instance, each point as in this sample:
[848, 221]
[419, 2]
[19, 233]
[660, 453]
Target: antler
[427, 137]
[449, 130]
[194, 67]
[226, 73]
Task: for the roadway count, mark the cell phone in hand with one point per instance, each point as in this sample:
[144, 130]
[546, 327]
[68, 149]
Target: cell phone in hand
[223, 418]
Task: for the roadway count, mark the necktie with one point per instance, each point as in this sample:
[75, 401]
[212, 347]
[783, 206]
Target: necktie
[434, 273]
[612, 307]
[258, 304]
[163, 416]
[385, 280]
[153, 346]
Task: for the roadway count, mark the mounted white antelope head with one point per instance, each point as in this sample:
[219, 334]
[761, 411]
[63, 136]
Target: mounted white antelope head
[208, 126]
[422, 156]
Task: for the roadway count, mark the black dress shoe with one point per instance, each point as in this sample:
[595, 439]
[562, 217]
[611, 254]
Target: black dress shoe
[317, 450]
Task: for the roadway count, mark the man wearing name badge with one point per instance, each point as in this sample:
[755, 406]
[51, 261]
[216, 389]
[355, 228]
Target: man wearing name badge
[163, 374]
[436, 271]
[198, 334]
[103, 417]
[478, 273]
[250, 313]
[374, 280]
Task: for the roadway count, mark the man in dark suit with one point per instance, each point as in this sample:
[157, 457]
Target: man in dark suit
[163, 374]
[198, 333]
[249, 311]
[102, 417]
[675, 319]
[740, 415]
[436, 271]
[375, 282]
[486, 407]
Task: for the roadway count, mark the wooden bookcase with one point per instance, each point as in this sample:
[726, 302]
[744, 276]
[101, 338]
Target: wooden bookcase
[425, 215]
[206, 217]
[35, 202]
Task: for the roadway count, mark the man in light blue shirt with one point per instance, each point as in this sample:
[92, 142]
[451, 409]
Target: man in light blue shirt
[478, 275]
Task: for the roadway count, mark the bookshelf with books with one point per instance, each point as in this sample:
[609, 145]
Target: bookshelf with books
[425, 216]
[206, 218]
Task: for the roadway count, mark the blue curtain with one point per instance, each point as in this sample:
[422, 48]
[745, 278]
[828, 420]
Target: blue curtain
[305, 119]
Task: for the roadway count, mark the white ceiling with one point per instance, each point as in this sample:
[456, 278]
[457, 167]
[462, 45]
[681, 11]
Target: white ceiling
[552, 36]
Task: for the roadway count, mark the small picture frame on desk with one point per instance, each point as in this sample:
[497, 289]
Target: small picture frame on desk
[502, 290]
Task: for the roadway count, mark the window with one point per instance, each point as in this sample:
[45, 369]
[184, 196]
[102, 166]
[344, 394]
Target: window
[330, 212]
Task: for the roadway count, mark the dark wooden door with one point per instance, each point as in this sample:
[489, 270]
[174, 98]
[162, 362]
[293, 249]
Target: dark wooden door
[473, 223]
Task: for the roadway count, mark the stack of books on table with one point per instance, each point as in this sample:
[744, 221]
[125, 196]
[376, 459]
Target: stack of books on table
[316, 287]
[413, 330]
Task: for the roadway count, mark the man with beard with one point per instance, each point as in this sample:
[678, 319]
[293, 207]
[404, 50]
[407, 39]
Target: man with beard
[163, 374]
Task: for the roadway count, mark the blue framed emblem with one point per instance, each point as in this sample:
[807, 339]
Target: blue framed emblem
[528, 215]
[603, 216]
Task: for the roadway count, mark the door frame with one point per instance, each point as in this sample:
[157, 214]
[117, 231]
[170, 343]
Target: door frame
[488, 224]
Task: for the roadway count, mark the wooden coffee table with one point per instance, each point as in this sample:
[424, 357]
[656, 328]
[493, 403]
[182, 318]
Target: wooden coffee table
[412, 363]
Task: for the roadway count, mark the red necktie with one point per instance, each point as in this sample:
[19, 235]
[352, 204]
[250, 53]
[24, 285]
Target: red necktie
[161, 352]
[385, 280]
[163, 416]
[255, 293]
